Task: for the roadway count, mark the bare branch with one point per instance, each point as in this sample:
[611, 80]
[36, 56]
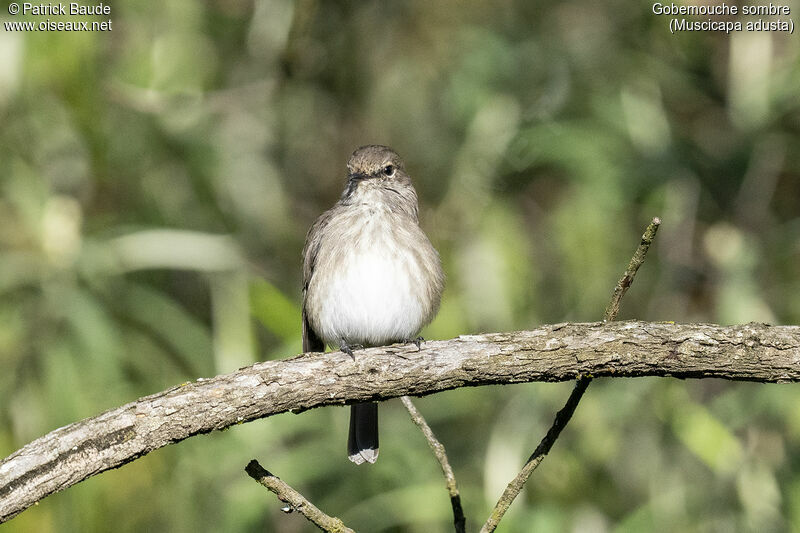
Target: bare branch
[561, 352]
[516, 485]
[296, 501]
[459, 520]
[565, 414]
[633, 266]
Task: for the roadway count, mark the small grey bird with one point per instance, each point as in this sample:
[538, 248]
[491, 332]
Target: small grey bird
[370, 275]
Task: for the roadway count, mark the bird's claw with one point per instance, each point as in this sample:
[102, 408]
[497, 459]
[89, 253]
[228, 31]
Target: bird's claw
[417, 342]
[348, 348]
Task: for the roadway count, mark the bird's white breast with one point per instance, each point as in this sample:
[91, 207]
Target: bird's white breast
[369, 285]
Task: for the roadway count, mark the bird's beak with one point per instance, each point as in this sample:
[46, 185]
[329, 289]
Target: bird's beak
[357, 176]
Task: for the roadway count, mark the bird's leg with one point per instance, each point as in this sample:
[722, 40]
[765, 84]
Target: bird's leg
[348, 348]
[417, 342]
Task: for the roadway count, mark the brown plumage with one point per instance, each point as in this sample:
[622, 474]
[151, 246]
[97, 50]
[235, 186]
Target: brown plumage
[370, 275]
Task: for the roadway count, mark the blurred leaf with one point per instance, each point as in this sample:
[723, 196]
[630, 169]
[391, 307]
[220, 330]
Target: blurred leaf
[705, 436]
[274, 310]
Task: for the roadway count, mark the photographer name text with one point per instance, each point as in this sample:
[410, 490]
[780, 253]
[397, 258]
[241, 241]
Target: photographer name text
[58, 9]
[73, 9]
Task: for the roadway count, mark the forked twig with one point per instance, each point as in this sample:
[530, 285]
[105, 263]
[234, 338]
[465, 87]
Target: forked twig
[295, 500]
[563, 416]
[438, 450]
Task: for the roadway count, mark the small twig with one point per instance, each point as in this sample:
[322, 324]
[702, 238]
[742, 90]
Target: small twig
[627, 278]
[565, 414]
[295, 500]
[515, 487]
[438, 450]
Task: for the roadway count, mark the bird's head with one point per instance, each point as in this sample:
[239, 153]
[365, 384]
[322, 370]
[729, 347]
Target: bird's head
[375, 167]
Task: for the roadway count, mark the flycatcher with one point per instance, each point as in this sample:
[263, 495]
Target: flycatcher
[370, 275]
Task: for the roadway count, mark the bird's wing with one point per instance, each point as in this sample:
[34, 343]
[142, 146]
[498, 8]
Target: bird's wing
[311, 341]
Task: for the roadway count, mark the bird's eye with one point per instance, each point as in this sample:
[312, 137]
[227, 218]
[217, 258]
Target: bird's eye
[388, 171]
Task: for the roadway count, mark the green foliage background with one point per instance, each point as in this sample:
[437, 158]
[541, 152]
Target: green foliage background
[156, 183]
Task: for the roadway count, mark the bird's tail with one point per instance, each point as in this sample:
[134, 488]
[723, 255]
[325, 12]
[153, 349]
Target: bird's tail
[362, 445]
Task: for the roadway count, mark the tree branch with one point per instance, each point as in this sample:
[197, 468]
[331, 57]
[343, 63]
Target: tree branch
[296, 501]
[516, 485]
[636, 261]
[565, 414]
[459, 520]
[562, 352]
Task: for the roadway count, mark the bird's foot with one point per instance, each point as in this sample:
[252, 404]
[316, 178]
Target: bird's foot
[348, 348]
[417, 342]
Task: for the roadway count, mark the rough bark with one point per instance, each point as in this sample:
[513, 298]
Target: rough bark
[66, 456]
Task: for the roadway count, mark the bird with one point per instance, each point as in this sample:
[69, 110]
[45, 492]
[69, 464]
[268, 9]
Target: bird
[371, 276]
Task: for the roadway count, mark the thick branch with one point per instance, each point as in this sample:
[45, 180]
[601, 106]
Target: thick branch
[563, 352]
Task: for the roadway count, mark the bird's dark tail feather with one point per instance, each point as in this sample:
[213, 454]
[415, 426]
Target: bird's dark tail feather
[362, 445]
